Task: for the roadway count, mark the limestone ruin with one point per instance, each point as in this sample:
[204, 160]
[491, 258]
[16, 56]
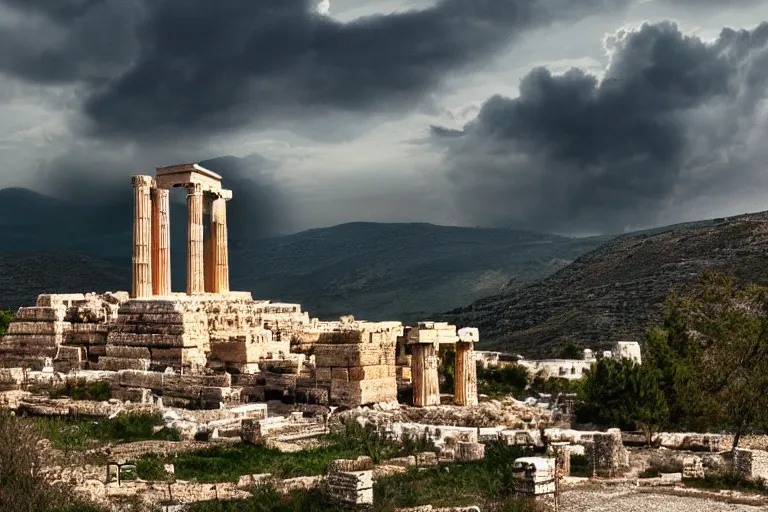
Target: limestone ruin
[210, 346]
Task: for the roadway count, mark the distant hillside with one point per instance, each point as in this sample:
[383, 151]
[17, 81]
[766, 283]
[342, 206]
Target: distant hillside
[370, 270]
[398, 271]
[25, 275]
[616, 291]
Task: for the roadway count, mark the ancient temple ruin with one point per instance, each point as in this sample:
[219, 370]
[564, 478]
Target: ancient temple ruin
[207, 259]
[228, 347]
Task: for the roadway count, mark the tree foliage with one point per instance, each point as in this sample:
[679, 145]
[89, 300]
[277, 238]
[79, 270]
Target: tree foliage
[624, 394]
[712, 352]
[705, 366]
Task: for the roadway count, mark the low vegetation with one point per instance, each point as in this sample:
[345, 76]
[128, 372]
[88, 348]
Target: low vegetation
[82, 390]
[728, 481]
[509, 380]
[79, 433]
[22, 487]
[487, 483]
[228, 463]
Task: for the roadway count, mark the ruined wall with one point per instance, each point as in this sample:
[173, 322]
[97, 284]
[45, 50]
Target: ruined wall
[359, 365]
[752, 464]
[37, 334]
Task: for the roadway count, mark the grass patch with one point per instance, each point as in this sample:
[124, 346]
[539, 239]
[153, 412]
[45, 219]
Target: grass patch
[82, 390]
[228, 463]
[81, 433]
[485, 483]
[725, 481]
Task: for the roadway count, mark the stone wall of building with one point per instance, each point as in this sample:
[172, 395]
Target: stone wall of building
[77, 320]
[752, 464]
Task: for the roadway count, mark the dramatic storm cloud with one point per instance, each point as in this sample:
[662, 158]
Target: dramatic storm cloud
[204, 65]
[574, 153]
[325, 106]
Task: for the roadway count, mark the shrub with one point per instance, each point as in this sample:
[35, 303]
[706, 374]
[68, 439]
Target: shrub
[22, 487]
[502, 380]
[82, 390]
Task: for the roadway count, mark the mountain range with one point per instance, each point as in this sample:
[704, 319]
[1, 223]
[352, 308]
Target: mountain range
[374, 271]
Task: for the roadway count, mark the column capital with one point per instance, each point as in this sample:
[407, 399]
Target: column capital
[195, 189]
[142, 180]
[225, 194]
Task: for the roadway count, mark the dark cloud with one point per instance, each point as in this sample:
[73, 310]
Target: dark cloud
[58, 10]
[55, 41]
[97, 185]
[206, 65]
[576, 154]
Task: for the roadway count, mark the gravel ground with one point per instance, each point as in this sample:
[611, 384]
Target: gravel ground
[628, 500]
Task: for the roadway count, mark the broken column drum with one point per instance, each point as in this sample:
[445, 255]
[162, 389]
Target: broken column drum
[141, 285]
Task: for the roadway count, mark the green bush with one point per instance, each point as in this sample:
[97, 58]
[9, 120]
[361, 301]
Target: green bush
[151, 467]
[502, 380]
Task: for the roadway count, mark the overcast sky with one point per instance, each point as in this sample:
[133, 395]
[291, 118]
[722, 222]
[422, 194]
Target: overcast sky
[567, 116]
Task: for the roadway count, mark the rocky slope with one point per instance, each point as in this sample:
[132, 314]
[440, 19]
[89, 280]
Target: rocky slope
[616, 291]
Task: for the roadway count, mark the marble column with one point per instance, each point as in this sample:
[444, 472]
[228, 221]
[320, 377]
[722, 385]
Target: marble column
[219, 246]
[141, 283]
[208, 260]
[208, 246]
[195, 264]
[465, 376]
[161, 241]
[426, 384]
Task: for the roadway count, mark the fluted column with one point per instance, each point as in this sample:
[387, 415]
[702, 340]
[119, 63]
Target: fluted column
[465, 376]
[195, 272]
[219, 249]
[208, 264]
[426, 386]
[161, 241]
[141, 284]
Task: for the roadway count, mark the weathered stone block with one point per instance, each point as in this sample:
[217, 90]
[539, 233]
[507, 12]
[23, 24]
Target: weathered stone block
[354, 355]
[118, 363]
[371, 372]
[128, 352]
[353, 394]
[141, 379]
